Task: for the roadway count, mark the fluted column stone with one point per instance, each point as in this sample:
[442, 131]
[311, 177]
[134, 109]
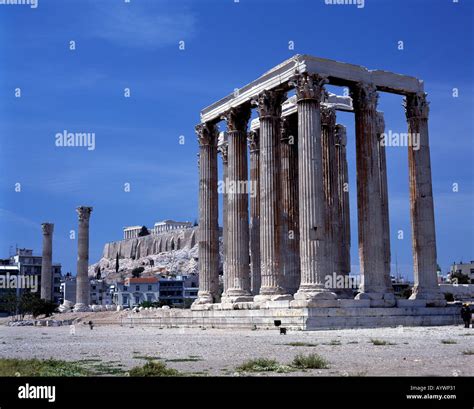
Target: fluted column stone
[384, 196]
[224, 150]
[272, 279]
[369, 199]
[344, 247]
[82, 278]
[290, 215]
[47, 262]
[208, 216]
[421, 204]
[254, 147]
[314, 269]
[238, 252]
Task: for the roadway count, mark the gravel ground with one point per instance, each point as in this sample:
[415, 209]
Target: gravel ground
[413, 351]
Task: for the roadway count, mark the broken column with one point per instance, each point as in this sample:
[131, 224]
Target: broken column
[208, 215]
[47, 262]
[369, 199]
[82, 278]
[421, 204]
[238, 256]
[272, 279]
[312, 291]
[254, 147]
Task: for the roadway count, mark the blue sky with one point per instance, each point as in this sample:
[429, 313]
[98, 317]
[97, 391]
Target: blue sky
[136, 45]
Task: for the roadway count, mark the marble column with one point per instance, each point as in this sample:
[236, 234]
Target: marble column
[421, 203]
[208, 216]
[223, 149]
[272, 285]
[384, 196]
[344, 247]
[82, 278]
[369, 199]
[47, 262]
[290, 214]
[328, 152]
[254, 147]
[312, 290]
[238, 255]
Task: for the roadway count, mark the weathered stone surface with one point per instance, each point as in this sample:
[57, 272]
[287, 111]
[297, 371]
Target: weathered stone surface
[82, 279]
[47, 262]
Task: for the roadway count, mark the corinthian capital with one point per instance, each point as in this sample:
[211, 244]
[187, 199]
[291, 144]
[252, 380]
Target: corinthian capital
[84, 213]
[47, 228]
[237, 118]
[341, 135]
[416, 106]
[364, 96]
[309, 86]
[269, 103]
[223, 149]
[254, 141]
[206, 134]
[328, 116]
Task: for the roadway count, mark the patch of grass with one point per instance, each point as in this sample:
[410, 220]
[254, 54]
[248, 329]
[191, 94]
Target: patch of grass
[312, 361]
[147, 357]
[263, 365]
[301, 344]
[183, 360]
[465, 335]
[37, 367]
[88, 361]
[106, 369]
[334, 342]
[353, 342]
[380, 342]
[153, 369]
[468, 352]
[448, 341]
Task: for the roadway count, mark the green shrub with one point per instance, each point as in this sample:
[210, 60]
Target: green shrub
[312, 361]
[153, 368]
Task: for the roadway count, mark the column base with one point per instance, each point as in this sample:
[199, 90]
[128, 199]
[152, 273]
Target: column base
[80, 307]
[230, 299]
[263, 298]
[432, 297]
[204, 297]
[317, 297]
[383, 300]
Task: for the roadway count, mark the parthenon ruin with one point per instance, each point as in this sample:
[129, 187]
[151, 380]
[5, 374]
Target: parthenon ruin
[295, 232]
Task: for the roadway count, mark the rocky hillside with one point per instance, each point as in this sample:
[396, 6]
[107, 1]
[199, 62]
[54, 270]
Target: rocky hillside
[171, 253]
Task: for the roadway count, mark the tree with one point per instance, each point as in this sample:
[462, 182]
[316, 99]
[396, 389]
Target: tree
[9, 302]
[137, 271]
[117, 265]
[143, 232]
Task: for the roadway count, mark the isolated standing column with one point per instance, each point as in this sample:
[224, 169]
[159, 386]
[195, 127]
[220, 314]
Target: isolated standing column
[47, 262]
[82, 278]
